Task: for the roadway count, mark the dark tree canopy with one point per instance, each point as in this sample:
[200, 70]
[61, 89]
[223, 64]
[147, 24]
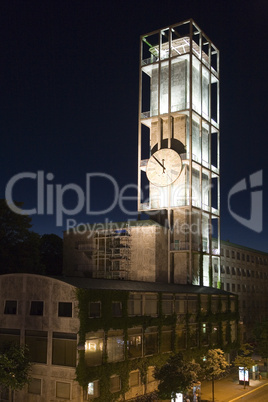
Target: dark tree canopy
[176, 376]
[22, 250]
[14, 367]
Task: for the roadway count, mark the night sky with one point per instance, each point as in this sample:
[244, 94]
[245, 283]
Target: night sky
[69, 99]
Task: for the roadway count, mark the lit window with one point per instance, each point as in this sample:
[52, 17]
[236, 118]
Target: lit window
[134, 344]
[37, 308]
[94, 309]
[92, 390]
[65, 309]
[94, 348]
[10, 307]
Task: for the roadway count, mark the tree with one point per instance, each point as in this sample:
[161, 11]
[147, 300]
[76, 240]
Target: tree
[261, 337]
[176, 376]
[14, 229]
[14, 367]
[244, 360]
[51, 249]
[214, 365]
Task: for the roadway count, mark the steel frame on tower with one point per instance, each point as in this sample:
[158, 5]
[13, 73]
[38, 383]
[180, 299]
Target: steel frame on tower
[179, 87]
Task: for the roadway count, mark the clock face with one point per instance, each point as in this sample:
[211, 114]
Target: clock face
[164, 167]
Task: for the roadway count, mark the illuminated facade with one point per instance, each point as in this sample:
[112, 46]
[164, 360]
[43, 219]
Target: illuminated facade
[179, 115]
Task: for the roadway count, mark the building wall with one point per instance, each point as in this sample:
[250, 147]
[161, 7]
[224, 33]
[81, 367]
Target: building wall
[25, 288]
[244, 271]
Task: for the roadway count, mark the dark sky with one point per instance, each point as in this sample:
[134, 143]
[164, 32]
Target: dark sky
[69, 99]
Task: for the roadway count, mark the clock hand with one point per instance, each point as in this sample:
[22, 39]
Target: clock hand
[161, 164]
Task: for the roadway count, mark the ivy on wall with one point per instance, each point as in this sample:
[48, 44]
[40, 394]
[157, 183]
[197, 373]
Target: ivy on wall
[102, 373]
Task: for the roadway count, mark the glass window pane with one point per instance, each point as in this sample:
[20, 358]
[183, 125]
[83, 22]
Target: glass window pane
[37, 308]
[134, 345]
[63, 390]
[151, 341]
[134, 378]
[34, 386]
[115, 384]
[150, 307]
[10, 307]
[115, 346]
[65, 309]
[64, 352]
[37, 344]
[135, 304]
[94, 348]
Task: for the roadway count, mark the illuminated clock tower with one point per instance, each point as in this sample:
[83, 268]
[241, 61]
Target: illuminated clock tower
[178, 149]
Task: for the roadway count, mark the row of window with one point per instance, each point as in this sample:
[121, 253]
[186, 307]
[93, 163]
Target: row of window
[243, 257]
[64, 345]
[140, 343]
[240, 272]
[65, 309]
[147, 304]
[237, 288]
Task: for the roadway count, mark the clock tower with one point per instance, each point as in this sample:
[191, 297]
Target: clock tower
[178, 147]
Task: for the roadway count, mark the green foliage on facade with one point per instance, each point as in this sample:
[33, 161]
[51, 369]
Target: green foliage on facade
[106, 321]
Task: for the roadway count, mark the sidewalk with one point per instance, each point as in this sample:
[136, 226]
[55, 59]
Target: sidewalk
[228, 389]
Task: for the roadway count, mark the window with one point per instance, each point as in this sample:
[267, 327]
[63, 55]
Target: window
[151, 341]
[8, 336]
[238, 287]
[214, 334]
[134, 378]
[224, 303]
[65, 309]
[37, 344]
[135, 304]
[247, 258]
[238, 255]
[116, 309]
[34, 386]
[238, 270]
[166, 339]
[181, 337]
[63, 390]
[214, 304]
[227, 253]
[167, 304]
[95, 309]
[222, 269]
[94, 348]
[233, 271]
[233, 254]
[193, 336]
[115, 383]
[232, 304]
[115, 345]
[150, 307]
[192, 304]
[134, 345]
[228, 270]
[93, 390]
[10, 307]
[233, 287]
[248, 273]
[64, 349]
[180, 304]
[37, 308]
[204, 334]
[228, 287]
[204, 303]
[243, 257]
